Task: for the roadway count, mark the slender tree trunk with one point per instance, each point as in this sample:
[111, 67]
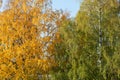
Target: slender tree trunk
[100, 35]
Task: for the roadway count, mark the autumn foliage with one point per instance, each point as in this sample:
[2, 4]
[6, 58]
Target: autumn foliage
[27, 37]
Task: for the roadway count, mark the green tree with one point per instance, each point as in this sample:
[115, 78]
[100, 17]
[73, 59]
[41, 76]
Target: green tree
[89, 47]
[75, 54]
[104, 19]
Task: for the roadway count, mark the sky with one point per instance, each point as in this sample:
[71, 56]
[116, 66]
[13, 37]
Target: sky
[3, 5]
[71, 6]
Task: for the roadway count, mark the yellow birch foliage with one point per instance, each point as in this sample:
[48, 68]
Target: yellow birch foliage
[27, 37]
